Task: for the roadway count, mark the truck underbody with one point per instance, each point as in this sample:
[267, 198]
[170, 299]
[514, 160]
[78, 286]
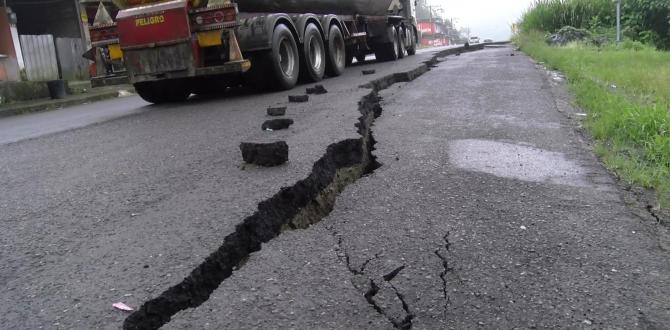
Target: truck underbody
[169, 50]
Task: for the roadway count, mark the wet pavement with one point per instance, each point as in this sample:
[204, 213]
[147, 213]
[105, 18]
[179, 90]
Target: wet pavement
[119, 200]
[489, 210]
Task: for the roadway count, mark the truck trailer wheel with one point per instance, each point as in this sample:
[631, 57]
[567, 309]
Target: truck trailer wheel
[162, 91]
[411, 49]
[313, 65]
[284, 58]
[388, 51]
[336, 52]
[401, 42]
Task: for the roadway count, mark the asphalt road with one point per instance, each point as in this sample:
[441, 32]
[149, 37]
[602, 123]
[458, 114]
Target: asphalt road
[489, 210]
[119, 200]
[23, 127]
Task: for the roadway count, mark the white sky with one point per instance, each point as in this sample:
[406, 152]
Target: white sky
[487, 19]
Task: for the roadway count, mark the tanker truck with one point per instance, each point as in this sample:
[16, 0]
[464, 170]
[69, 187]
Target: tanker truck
[171, 49]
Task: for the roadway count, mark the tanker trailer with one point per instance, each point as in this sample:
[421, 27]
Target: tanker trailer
[174, 48]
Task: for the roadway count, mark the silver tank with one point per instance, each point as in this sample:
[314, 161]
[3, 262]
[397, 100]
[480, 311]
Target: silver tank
[339, 7]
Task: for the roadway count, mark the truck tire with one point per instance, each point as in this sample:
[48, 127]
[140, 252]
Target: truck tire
[401, 42]
[162, 91]
[388, 51]
[411, 50]
[283, 59]
[313, 65]
[336, 52]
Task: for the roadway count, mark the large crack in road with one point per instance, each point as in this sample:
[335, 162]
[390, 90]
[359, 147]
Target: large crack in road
[298, 206]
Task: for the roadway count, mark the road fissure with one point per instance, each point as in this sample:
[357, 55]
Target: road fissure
[295, 207]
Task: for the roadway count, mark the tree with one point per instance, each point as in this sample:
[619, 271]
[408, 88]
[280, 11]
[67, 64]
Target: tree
[648, 21]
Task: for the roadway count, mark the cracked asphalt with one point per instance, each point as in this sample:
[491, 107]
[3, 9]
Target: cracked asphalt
[489, 211]
[103, 206]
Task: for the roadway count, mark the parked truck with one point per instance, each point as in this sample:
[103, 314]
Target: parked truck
[170, 49]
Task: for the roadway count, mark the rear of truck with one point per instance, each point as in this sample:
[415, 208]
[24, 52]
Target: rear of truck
[168, 48]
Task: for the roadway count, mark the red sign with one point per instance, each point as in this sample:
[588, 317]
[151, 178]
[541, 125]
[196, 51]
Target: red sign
[162, 23]
[426, 27]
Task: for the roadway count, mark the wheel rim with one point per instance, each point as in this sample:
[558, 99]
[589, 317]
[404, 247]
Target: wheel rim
[315, 53]
[395, 45]
[286, 57]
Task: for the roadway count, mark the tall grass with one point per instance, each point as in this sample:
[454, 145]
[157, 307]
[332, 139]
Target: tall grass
[627, 95]
[551, 15]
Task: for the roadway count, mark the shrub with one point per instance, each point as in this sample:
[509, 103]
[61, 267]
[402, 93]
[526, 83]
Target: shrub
[647, 21]
[633, 45]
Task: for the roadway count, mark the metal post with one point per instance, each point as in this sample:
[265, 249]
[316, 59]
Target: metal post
[618, 21]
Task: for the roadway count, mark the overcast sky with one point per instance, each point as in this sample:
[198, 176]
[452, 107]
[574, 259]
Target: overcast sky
[488, 19]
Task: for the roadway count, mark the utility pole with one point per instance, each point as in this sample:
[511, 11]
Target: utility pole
[618, 21]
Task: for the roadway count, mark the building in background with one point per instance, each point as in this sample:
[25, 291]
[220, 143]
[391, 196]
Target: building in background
[11, 60]
[433, 34]
[50, 36]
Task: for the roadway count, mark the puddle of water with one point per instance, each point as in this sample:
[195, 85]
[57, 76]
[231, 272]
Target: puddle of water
[516, 161]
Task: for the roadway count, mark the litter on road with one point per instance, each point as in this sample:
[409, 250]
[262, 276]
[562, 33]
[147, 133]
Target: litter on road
[122, 306]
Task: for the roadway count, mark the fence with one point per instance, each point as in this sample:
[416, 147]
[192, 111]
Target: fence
[42, 57]
[73, 66]
[39, 56]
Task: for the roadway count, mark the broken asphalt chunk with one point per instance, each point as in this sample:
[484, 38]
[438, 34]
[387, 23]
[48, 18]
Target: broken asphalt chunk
[367, 72]
[318, 89]
[265, 154]
[275, 112]
[277, 124]
[298, 98]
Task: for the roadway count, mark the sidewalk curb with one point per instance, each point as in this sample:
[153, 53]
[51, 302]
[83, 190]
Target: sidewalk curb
[46, 105]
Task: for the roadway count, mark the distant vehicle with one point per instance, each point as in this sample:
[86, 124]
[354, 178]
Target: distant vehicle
[487, 40]
[474, 40]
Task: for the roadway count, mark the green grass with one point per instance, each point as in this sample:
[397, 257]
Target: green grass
[631, 122]
[552, 15]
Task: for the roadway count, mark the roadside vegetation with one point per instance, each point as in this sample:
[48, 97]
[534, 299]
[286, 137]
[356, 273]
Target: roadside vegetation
[624, 88]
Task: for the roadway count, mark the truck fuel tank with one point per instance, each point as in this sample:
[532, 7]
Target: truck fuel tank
[339, 7]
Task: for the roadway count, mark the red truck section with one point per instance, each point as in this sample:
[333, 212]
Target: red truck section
[154, 25]
[433, 34]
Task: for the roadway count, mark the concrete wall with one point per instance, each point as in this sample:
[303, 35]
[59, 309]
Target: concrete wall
[16, 91]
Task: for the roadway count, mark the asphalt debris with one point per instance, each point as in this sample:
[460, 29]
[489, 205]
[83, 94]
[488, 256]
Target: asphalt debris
[367, 72]
[265, 154]
[276, 111]
[317, 90]
[277, 124]
[298, 98]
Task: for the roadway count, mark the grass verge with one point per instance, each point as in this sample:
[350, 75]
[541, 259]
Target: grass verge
[626, 93]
